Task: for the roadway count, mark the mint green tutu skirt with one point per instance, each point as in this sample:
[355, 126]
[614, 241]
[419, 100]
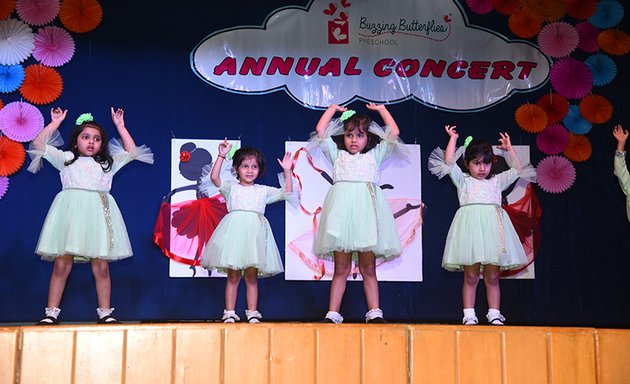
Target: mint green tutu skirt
[85, 224]
[356, 217]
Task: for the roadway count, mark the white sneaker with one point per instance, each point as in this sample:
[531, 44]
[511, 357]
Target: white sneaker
[230, 317]
[253, 317]
[470, 320]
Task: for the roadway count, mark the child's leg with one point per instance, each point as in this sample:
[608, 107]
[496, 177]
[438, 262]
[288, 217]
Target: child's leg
[231, 288]
[491, 281]
[251, 288]
[343, 262]
[367, 267]
[100, 270]
[469, 290]
[61, 270]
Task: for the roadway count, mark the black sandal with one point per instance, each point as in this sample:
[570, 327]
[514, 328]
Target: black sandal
[48, 320]
[108, 320]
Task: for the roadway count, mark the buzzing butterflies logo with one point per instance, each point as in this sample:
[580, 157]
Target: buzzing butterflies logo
[338, 31]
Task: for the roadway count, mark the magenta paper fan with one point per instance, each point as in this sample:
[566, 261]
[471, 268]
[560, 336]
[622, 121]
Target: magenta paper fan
[16, 41]
[4, 185]
[558, 39]
[21, 121]
[37, 12]
[553, 139]
[555, 174]
[54, 46]
[480, 7]
[571, 78]
[588, 37]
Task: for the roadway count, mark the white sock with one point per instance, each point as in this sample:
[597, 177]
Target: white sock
[335, 317]
[52, 312]
[102, 312]
[469, 312]
[373, 313]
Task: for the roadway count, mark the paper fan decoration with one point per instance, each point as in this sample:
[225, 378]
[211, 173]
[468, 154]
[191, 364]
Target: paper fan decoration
[11, 76]
[42, 85]
[506, 7]
[575, 122]
[558, 39]
[16, 41]
[555, 174]
[602, 67]
[531, 118]
[555, 106]
[553, 139]
[523, 25]
[53, 46]
[580, 9]
[4, 185]
[614, 42]
[37, 12]
[21, 121]
[596, 109]
[6, 8]
[588, 34]
[578, 149]
[480, 7]
[547, 10]
[608, 14]
[12, 155]
[571, 78]
[80, 15]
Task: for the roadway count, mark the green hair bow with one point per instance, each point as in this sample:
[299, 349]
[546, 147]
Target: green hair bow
[84, 118]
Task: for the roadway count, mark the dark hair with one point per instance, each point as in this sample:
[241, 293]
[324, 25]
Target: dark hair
[479, 149]
[362, 123]
[245, 152]
[102, 157]
[196, 159]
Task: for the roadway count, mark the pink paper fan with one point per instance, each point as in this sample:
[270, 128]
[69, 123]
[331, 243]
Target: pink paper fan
[37, 12]
[558, 39]
[21, 121]
[571, 78]
[555, 174]
[4, 185]
[54, 46]
[553, 139]
[480, 7]
[16, 41]
[588, 36]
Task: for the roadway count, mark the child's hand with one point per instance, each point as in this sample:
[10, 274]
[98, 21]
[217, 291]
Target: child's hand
[286, 162]
[337, 108]
[504, 139]
[118, 117]
[375, 107]
[224, 148]
[450, 130]
[57, 115]
[620, 134]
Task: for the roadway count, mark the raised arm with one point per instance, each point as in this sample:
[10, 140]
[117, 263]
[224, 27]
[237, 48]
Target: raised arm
[506, 145]
[621, 135]
[118, 117]
[57, 115]
[449, 154]
[328, 114]
[215, 174]
[387, 118]
[286, 164]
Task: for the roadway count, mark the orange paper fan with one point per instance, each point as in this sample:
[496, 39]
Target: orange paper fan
[579, 148]
[12, 155]
[41, 85]
[555, 106]
[581, 9]
[6, 8]
[523, 25]
[614, 42]
[596, 109]
[80, 15]
[531, 118]
[547, 10]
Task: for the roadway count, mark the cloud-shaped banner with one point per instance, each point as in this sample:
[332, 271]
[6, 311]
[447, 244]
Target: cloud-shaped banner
[339, 51]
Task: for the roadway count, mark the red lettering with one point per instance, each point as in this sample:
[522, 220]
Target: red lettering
[252, 65]
[350, 69]
[380, 69]
[502, 69]
[527, 67]
[456, 69]
[227, 65]
[478, 70]
[408, 67]
[332, 66]
[301, 69]
[278, 64]
[434, 68]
